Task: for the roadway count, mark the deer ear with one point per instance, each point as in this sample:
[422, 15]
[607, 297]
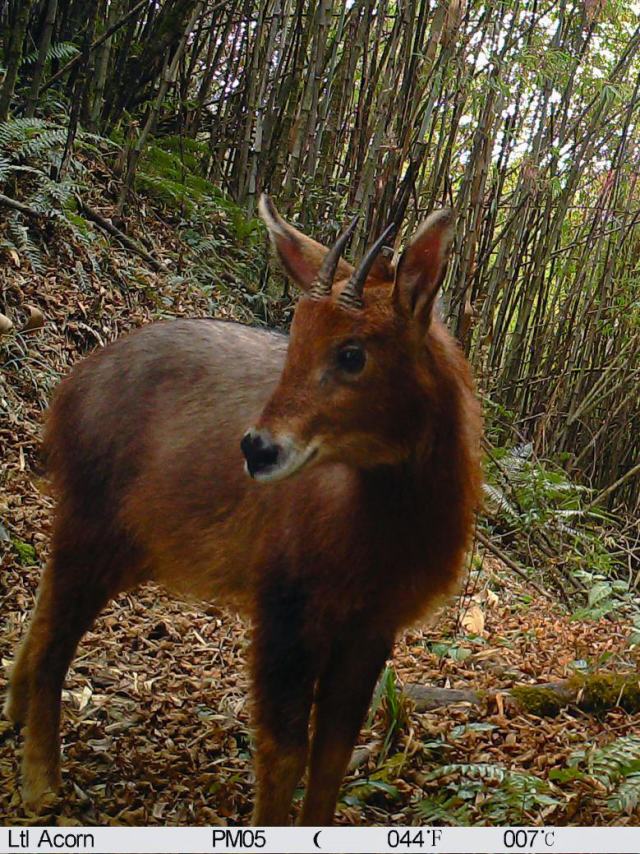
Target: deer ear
[300, 256]
[422, 267]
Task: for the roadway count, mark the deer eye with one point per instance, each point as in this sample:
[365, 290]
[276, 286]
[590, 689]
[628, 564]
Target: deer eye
[351, 358]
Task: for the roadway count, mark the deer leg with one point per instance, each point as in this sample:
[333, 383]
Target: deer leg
[76, 585]
[17, 699]
[283, 681]
[342, 699]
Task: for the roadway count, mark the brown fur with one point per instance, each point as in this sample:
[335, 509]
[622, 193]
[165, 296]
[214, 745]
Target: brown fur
[142, 443]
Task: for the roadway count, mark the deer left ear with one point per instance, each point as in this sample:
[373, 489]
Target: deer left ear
[301, 256]
[422, 267]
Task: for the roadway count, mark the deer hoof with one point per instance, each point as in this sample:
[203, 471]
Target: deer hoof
[39, 786]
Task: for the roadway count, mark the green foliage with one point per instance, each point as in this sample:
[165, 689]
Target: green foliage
[228, 250]
[616, 766]
[19, 129]
[193, 153]
[24, 139]
[392, 703]
[31, 156]
[372, 789]
[536, 493]
[171, 172]
[170, 182]
[458, 648]
[604, 595]
[5, 169]
[19, 241]
[626, 797]
[62, 51]
[500, 795]
[537, 500]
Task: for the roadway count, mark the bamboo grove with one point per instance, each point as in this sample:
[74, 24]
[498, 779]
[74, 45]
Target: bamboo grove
[523, 115]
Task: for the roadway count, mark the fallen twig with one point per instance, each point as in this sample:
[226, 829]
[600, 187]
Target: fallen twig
[19, 206]
[486, 542]
[127, 241]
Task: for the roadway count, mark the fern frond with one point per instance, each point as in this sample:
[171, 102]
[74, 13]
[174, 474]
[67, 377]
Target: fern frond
[23, 243]
[498, 501]
[477, 771]
[501, 795]
[626, 798]
[45, 144]
[62, 51]
[616, 767]
[52, 192]
[95, 140]
[5, 169]
[17, 130]
[615, 760]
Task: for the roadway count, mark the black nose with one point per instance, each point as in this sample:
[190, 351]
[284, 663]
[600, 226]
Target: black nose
[260, 451]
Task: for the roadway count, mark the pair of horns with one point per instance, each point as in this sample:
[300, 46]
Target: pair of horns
[351, 294]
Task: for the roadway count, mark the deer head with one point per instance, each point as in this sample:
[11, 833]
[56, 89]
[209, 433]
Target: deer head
[357, 385]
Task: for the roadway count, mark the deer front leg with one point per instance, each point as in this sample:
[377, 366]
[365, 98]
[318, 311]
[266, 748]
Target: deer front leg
[343, 696]
[283, 680]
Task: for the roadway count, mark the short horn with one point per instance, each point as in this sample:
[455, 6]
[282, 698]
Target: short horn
[351, 294]
[323, 283]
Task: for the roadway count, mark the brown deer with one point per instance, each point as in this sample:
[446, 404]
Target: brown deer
[369, 404]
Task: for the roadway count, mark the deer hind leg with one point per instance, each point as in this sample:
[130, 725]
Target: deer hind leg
[283, 681]
[343, 696]
[77, 583]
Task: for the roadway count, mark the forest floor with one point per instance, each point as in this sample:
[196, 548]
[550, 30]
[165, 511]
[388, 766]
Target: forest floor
[156, 723]
[157, 717]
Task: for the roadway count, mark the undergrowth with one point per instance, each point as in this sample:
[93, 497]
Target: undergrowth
[548, 521]
[31, 155]
[227, 250]
[218, 248]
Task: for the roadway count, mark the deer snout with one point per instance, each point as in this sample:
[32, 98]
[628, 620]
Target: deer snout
[260, 451]
[268, 459]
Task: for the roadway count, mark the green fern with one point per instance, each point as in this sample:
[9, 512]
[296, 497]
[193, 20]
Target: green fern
[498, 503]
[166, 191]
[22, 242]
[616, 766]
[5, 169]
[62, 51]
[611, 762]
[530, 496]
[19, 130]
[29, 148]
[626, 797]
[47, 144]
[480, 793]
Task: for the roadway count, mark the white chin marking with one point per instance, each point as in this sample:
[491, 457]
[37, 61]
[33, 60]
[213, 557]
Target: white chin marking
[295, 460]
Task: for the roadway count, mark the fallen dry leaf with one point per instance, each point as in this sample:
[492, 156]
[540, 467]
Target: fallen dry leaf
[35, 319]
[6, 325]
[473, 619]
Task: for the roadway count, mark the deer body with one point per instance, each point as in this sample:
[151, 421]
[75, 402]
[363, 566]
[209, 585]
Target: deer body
[370, 462]
[192, 385]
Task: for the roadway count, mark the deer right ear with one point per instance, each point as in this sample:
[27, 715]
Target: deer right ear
[300, 256]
